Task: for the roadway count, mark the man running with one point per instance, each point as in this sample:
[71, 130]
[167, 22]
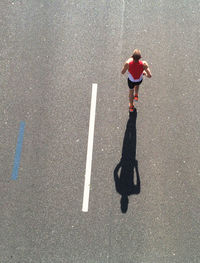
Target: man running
[136, 69]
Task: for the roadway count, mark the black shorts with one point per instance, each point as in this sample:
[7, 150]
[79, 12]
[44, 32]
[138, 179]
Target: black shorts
[133, 84]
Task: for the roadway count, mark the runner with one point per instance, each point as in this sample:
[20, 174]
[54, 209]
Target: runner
[136, 69]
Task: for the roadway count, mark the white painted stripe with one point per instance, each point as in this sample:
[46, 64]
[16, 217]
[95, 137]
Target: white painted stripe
[89, 149]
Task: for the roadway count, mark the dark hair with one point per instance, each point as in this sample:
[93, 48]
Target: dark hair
[136, 54]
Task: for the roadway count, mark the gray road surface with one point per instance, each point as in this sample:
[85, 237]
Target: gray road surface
[50, 54]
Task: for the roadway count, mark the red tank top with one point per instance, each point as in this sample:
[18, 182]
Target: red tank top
[136, 69]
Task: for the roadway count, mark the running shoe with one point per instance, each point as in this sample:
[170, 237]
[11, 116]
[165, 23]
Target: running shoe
[131, 108]
[136, 98]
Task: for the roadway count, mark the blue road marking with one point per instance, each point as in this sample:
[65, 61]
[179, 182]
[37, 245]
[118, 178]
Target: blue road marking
[18, 151]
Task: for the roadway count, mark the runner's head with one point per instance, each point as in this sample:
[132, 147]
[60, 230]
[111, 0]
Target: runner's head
[136, 55]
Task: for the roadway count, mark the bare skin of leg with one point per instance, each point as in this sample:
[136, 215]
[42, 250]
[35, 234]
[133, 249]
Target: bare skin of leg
[131, 91]
[136, 89]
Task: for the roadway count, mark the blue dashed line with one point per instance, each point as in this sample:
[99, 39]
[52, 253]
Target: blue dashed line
[18, 151]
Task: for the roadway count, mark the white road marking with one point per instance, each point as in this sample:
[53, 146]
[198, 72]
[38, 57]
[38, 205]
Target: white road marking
[89, 149]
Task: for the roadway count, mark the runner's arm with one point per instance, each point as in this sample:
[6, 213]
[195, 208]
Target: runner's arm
[125, 68]
[147, 69]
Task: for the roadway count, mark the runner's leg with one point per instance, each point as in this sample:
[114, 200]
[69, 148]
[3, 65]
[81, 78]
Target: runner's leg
[136, 89]
[131, 91]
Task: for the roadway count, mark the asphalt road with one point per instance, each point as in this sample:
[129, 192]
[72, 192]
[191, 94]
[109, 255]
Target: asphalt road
[144, 196]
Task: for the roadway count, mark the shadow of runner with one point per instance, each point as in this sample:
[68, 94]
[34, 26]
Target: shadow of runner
[125, 182]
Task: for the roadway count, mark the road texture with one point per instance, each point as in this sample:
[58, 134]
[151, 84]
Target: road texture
[144, 196]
